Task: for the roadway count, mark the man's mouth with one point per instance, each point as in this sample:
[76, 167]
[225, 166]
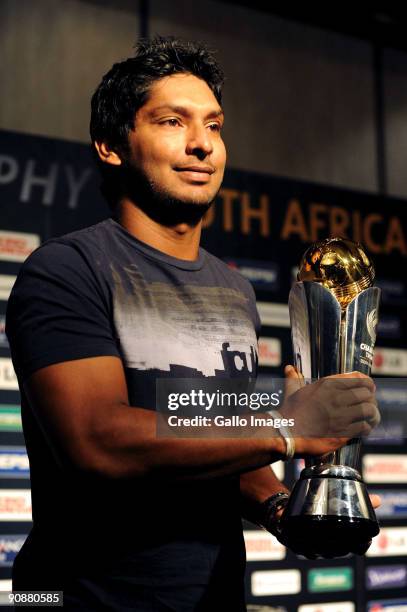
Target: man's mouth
[196, 172]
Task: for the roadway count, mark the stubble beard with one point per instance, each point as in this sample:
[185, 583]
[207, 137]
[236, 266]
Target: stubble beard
[160, 204]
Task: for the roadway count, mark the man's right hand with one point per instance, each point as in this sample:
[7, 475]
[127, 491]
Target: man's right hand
[329, 412]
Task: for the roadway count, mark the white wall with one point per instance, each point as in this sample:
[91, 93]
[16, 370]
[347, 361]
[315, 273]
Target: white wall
[53, 54]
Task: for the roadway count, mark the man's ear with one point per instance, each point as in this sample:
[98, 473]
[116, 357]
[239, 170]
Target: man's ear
[107, 154]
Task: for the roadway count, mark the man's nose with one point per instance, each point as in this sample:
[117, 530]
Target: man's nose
[199, 141]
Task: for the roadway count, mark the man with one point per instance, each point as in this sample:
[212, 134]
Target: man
[124, 519]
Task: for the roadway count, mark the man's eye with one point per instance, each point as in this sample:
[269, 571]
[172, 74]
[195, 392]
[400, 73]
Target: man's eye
[172, 121]
[215, 127]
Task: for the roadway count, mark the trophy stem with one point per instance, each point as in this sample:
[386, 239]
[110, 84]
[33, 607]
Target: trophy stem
[342, 344]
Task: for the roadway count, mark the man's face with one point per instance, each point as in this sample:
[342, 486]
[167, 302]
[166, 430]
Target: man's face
[176, 145]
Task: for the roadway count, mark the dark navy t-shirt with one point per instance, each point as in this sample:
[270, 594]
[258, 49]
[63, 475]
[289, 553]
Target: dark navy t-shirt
[99, 292]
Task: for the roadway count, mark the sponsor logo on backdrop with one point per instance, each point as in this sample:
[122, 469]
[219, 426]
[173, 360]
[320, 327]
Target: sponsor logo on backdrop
[8, 378]
[394, 503]
[391, 392]
[391, 542]
[391, 395]
[16, 246]
[9, 547]
[263, 275]
[394, 292]
[273, 314]
[14, 462]
[6, 283]
[269, 352]
[338, 606]
[3, 337]
[391, 432]
[262, 546]
[389, 605]
[330, 579]
[385, 468]
[388, 327]
[276, 582]
[386, 576]
[10, 418]
[5, 585]
[390, 361]
[15, 505]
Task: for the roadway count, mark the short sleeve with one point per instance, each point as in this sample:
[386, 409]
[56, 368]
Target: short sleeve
[58, 311]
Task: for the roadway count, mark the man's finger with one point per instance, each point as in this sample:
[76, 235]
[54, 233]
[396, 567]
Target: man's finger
[350, 397]
[354, 430]
[351, 381]
[375, 499]
[368, 411]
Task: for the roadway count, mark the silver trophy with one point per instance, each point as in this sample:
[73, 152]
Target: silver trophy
[333, 312]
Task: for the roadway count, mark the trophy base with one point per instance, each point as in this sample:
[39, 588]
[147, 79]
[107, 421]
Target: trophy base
[328, 536]
[329, 513]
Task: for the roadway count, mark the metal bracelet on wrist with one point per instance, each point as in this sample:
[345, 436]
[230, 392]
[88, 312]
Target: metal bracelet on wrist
[286, 434]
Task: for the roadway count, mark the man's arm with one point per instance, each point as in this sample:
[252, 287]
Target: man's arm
[83, 409]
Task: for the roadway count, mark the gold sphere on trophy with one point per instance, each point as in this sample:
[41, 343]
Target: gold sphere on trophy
[340, 265]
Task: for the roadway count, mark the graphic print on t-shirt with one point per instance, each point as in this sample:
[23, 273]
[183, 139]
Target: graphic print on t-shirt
[183, 329]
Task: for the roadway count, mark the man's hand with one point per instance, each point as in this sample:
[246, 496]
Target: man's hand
[329, 412]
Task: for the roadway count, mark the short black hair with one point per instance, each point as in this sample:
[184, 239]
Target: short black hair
[125, 88]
